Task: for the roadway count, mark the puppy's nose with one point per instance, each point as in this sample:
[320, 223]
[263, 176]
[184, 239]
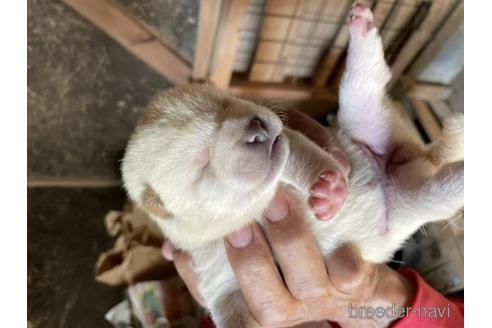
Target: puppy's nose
[256, 132]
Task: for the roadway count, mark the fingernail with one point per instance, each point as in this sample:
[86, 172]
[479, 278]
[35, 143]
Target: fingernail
[278, 208]
[241, 238]
[167, 251]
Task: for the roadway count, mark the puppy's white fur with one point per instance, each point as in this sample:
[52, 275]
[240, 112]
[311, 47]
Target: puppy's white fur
[186, 160]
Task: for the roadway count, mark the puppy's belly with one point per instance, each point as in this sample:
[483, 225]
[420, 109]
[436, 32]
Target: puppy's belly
[364, 216]
[357, 222]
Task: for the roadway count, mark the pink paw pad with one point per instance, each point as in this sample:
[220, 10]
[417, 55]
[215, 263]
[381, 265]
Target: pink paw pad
[328, 194]
[361, 18]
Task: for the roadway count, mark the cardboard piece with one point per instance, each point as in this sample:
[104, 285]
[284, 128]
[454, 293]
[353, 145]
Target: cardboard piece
[136, 255]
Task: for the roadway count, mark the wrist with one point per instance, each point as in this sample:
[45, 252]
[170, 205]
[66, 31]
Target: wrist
[394, 293]
[389, 295]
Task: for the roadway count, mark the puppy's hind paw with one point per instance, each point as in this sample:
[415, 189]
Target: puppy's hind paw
[328, 194]
[361, 19]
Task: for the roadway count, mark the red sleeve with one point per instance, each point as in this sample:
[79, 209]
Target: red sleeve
[429, 308]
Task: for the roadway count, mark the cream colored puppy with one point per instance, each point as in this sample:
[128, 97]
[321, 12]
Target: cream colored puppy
[204, 164]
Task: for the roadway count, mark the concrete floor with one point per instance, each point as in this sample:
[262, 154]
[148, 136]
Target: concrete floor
[65, 235]
[85, 93]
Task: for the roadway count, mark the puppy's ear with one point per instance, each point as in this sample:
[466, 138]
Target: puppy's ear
[152, 204]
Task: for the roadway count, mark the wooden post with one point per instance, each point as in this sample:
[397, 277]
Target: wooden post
[228, 41]
[205, 41]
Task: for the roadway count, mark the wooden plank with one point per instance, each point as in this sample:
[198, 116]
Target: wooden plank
[439, 40]
[248, 41]
[205, 41]
[268, 51]
[313, 101]
[138, 39]
[276, 28]
[402, 14]
[265, 90]
[296, 59]
[438, 10]
[441, 109]
[403, 114]
[281, 7]
[235, 11]
[334, 50]
[261, 72]
[281, 91]
[396, 22]
[429, 123]
[424, 91]
[69, 182]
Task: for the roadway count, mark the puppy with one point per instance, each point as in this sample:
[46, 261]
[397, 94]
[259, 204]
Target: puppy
[204, 164]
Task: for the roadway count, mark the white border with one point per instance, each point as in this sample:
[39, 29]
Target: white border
[13, 161]
[478, 167]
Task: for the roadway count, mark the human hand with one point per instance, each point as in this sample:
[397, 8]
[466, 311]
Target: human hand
[304, 287]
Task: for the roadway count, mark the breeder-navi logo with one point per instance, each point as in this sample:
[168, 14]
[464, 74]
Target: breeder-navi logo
[398, 312]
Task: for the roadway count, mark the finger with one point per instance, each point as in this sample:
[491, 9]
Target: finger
[295, 249]
[167, 250]
[261, 284]
[184, 266]
[347, 270]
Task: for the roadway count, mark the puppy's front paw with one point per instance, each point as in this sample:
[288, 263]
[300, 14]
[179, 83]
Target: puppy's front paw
[361, 19]
[328, 194]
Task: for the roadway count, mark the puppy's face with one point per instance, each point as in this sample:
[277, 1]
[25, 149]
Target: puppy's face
[201, 153]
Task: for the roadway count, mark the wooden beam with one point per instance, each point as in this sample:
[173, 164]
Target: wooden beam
[313, 101]
[439, 40]
[228, 41]
[403, 114]
[429, 123]
[270, 58]
[205, 41]
[425, 91]
[70, 182]
[334, 50]
[438, 10]
[441, 109]
[281, 91]
[138, 39]
[398, 17]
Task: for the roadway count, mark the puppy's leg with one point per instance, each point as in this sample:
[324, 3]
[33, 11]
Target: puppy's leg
[365, 113]
[427, 199]
[431, 186]
[317, 173]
